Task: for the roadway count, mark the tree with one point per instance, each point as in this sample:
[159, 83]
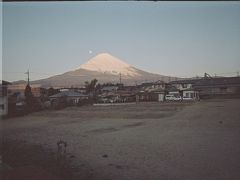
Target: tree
[98, 88]
[91, 87]
[87, 86]
[29, 98]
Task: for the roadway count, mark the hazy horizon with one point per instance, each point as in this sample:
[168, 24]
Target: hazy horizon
[182, 39]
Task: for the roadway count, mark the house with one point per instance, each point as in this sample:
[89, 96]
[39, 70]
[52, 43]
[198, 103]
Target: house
[117, 94]
[131, 88]
[126, 96]
[183, 84]
[68, 97]
[161, 95]
[81, 90]
[108, 97]
[153, 86]
[143, 96]
[172, 90]
[152, 91]
[184, 88]
[112, 88]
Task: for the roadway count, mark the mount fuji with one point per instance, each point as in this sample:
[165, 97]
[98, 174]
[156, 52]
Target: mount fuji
[106, 69]
[106, 63]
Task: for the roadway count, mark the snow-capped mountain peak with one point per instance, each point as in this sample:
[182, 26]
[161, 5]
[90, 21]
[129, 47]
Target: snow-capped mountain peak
[106, 63]
[105, 68]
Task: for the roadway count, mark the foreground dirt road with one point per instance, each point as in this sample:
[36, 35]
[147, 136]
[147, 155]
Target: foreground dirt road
[162, 141]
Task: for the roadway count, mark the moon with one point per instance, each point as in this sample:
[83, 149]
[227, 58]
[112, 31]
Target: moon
[90, 51]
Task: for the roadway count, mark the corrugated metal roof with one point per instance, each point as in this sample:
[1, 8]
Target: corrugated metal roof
[185, 81]
[68, 94]
[227, 81]
[210, 81]
[109, 88]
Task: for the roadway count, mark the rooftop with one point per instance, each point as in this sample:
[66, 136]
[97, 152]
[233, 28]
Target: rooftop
[68, 94]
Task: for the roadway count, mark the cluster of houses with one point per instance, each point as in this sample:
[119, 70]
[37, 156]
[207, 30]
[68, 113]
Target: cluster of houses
[187, 89]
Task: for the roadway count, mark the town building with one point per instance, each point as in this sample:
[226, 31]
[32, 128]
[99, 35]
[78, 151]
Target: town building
[68, 97]
[152, 91]
[208, 87]
[81, 90]
[218, 87]
[184, 88]
[153, 86]
[107, 89]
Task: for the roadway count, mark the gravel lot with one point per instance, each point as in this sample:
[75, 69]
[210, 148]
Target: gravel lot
[162, 141]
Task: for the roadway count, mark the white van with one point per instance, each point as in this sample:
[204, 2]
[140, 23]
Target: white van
[171, 97]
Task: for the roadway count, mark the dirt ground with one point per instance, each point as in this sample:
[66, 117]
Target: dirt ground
[31, 162]
[157, 141]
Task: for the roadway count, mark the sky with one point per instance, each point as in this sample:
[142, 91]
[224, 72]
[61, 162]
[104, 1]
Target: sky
[183, 39]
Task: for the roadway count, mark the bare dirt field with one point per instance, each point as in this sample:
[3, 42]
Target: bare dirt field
[156, 141]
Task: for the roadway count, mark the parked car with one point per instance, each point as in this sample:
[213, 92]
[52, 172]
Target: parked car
[171, 97]
[105, 100]
[178, 98]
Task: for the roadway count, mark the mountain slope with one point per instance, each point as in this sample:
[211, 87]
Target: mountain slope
[105, 68]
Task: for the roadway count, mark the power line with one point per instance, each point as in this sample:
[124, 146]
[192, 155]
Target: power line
[120, 78]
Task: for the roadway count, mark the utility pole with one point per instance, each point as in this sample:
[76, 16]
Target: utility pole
[120, 78]
[27, 77]
[237, 73]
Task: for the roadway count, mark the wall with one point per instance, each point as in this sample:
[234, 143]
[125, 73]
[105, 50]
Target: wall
[3, 105]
